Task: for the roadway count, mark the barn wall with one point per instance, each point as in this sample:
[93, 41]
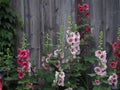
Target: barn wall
[46, 16]
[41, 17]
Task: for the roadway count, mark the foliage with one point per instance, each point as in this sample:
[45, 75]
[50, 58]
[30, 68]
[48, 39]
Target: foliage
[8, 22]
[69, 70]
[106, 74]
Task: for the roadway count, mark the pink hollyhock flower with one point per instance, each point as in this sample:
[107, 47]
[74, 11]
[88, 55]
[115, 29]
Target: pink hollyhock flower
[45, 66]
[21, 75]
[57, 64]
[98, 70]
[97, 82]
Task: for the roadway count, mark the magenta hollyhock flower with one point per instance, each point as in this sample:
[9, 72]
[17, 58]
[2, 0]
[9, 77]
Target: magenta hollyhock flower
[78, 6]
[21, 75]
[19, 61]
[86, 6]
[24, 54]
[25, 66]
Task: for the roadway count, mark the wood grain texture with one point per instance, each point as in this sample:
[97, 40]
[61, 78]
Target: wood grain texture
[46, 16]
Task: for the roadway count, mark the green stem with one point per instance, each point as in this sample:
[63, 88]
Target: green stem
[85, 84]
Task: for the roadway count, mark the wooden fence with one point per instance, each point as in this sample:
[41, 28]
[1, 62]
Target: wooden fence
[46, 16]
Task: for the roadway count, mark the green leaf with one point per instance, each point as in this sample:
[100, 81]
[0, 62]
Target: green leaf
[92, 75]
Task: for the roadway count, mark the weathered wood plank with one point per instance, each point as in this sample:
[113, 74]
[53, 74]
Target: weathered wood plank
[35, 31]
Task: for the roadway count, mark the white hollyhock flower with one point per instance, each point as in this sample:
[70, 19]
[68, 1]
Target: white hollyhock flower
[97, 82]
[98, 53]
[98, 70]
[69, 88]
[114, 76]
[62, 75]
[60, 82]
[103, 74]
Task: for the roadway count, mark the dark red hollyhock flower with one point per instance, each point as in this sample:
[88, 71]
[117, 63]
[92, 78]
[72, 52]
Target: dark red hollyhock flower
[116, 50]
[88, 15]
[81, 10]
[118, 76]
[113, 64]
[87, 30]
[79, 19]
